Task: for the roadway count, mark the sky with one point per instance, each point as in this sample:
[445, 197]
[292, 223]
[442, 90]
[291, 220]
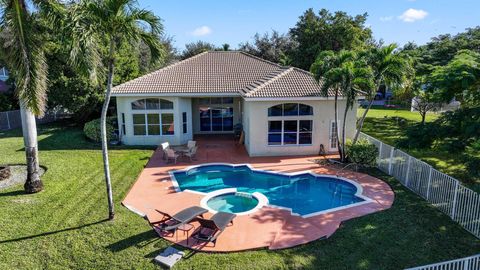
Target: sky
[237, 21]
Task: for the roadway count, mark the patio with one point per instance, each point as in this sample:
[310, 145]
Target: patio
[269, 227]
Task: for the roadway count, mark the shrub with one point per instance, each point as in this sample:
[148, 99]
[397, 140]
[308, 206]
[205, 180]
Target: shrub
[92, 129]
[419, 136]
[363, 152]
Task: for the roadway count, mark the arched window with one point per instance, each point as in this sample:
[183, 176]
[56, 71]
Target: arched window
[156, 120]
[289, 124]
[290, 109]
[152, 104]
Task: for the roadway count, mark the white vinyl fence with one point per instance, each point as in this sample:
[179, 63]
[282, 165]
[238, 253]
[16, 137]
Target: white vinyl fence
[468, 263]
[12, 119]
[441, 190]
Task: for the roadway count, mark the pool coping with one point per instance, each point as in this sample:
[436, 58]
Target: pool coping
[358, 193]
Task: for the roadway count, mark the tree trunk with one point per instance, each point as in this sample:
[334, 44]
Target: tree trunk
[33, 183]
[423, 114]
[343, 133]
[340, 149]
[103, 131]
[362, 121]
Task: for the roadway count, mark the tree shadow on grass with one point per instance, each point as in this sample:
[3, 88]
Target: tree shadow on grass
[13, 193]
[139, 240]
[50, 233]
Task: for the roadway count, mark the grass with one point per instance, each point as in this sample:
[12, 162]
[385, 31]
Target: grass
[383, 124]
[64, 226]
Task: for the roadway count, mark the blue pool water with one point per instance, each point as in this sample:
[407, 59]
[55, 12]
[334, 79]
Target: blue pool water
[232, 203]
[304, 193]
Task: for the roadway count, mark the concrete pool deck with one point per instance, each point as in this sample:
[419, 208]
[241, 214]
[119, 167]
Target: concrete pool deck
[268, 227]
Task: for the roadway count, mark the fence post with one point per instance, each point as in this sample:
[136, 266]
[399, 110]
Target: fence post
[455, 200]
[390, 164]
[379, 153]
[429, 182]
[8, 120]
[407, 175]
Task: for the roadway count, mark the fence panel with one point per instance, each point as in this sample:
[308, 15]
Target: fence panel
[441, 190]
[13, 119]
[468, 263]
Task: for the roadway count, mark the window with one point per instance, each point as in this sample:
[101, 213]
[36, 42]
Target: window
[167, 124]
[152, 104]
[333, 135]
[216, 114]
[290, 124]
[290, 109]
[123, 124]
[184, 122]
[154, 121]
[139, 127]
[290, 132]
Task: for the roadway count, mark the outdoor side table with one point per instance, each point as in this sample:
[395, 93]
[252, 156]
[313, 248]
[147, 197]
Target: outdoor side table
[185, 228]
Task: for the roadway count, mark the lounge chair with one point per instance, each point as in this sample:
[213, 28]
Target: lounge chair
[171, 223]
[210, 229]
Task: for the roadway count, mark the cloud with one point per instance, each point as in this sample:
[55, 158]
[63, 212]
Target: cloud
[412, 15]
[386, 18]
[201, 31]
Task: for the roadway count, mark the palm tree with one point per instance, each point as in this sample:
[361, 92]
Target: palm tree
[345, 74]
[389, 68]
[22, 49]
[98, 24]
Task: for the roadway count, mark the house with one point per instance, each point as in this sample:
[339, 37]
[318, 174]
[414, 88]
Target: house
[281, 109]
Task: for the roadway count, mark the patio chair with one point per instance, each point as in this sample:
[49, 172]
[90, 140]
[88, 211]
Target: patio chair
[191, 144]
[191, 153]
[165, 146]
[171, 223]
[171, 155]
[211, 229]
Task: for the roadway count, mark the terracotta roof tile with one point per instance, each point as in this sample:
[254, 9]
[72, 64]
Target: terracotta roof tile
[225, 72]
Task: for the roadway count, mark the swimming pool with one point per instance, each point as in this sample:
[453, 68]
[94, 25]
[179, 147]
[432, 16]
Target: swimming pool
[304, 193]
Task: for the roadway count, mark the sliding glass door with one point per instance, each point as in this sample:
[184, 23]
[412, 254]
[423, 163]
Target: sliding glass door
[217, 116]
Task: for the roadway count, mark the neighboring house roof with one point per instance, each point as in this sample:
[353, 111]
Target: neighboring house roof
[225, 72]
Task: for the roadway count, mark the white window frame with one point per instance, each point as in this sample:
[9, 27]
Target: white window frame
[282, 119]
[146, 112]
[331, 130]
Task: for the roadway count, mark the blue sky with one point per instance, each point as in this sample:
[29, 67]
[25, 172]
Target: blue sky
[236, 21]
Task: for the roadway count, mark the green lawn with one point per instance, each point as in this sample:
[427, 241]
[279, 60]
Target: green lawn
[381, 124]
[63, 227]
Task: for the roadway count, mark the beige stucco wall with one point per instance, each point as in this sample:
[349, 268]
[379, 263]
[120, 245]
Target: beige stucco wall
[180, 105]
[256, 118]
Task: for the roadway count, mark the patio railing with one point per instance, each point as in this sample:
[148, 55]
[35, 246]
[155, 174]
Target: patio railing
[443, 191]
[468, 263]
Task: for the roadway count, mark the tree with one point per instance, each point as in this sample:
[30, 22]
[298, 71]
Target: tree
[23, 40]
[459, 79]
[326, 31]
[110, 23]
[194, 48]
[345, 74]
[424, 102]
[389, 69]
[272, 47]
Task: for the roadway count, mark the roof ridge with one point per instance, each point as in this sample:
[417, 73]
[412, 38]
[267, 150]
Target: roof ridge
[162, 69]
[280, 73]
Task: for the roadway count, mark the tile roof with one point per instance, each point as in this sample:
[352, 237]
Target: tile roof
[225, 72]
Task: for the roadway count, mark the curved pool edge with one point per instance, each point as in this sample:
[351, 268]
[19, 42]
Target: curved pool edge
[358, 193]
[262, 200]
